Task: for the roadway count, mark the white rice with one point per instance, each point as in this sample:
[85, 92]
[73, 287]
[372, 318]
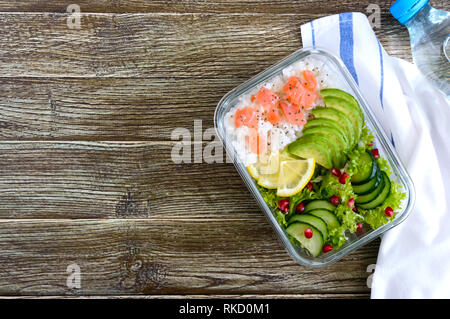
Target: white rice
[285, 131]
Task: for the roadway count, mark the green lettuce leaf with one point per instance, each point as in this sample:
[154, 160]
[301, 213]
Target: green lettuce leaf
[366, 138]
[330, 186]
[383, 165]
[269, 196]
[280, 217]
[376, 217]
[354, 164]
[271, 199]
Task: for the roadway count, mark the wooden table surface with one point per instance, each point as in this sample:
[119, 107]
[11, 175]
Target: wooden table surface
[86, 176]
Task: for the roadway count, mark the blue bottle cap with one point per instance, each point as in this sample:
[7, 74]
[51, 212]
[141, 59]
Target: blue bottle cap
[403, 10]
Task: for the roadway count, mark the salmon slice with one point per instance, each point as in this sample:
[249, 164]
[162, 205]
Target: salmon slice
[269, 101]
[308, 99]
[301, 92]
[310, 82]
[246, 116]
[257, 142]
[273, 115]
[266, 98]
[294, 90]
[292, 113]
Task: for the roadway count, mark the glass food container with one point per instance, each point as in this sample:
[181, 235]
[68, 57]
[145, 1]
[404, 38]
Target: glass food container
[399, 174]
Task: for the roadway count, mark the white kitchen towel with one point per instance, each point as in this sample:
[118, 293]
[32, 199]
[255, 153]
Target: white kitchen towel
[414, 257]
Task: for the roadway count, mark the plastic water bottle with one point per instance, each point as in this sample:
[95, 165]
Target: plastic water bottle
[429, 32]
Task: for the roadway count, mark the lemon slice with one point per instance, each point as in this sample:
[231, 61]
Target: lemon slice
[267, 164]
[294, 175]
[269, 181]
[253, 171]
[269, 169]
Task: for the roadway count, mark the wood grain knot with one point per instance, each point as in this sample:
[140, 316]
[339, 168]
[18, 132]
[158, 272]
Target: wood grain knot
[129, 206]
[140, 275]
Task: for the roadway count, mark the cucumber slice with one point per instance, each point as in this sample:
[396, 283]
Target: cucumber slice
[319, 204]
[314, 244]
[313, 221]
[328, 217]
[368, 173]
[372, 195]
[368, 187]
[379, 200]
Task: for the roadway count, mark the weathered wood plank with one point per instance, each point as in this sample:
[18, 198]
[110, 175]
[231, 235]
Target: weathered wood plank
[226, 46]
[106, 108]
[254, 296]
[216, 256]
[115, 180]
[230, 6]
[135, 6]
[137, 45]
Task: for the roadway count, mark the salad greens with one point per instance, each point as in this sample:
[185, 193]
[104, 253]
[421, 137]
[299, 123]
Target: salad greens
[325, 185]
[351, 186]
[376, 217]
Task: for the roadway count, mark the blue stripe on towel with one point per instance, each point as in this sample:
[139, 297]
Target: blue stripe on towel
[392, 140]
[313, 35]
[381, 75]
[346, 45]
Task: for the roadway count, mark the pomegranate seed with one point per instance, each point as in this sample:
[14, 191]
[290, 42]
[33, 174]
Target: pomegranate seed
[375, 153]
[343, 178]
[355, 209]
[283, 205]
[358, 226]
[327, 248]
[335, 200]
[336, 172]
[351, 203]
[308, 233]
[309, 186]
[371, 144]
[389, 211]
[300, 208]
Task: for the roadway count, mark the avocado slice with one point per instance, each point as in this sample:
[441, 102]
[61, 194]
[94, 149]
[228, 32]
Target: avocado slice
[312, 148]
[349, 110]
[324, 122]
[329, 132]
[340, 118]
[333, 136]
[343, 95]
[330, 145]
